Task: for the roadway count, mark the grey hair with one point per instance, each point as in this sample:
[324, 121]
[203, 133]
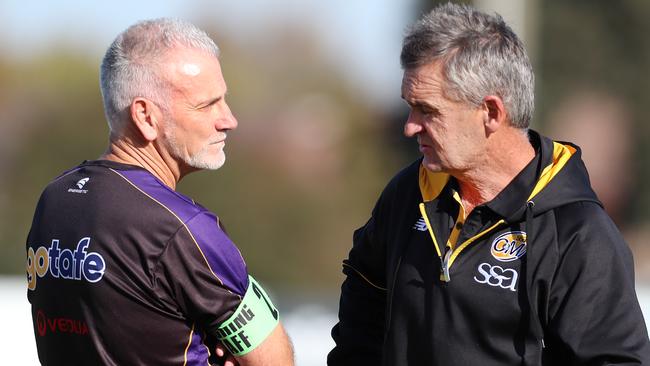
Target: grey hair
[130, 67]
[480, 56]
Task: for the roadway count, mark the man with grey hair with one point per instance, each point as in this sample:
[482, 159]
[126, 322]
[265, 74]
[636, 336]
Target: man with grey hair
[122, 269]
[491, 249]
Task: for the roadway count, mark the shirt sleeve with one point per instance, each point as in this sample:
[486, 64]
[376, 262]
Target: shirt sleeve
[204, 272]
[359, 333]
[594, 314]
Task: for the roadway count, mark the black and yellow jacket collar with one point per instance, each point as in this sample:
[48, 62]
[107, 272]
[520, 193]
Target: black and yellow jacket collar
[559, 174]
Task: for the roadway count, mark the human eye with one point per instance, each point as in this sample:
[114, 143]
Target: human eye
[209, 104]
[430, 111]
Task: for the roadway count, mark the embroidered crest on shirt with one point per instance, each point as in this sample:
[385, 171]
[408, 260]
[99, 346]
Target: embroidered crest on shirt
[509, 246]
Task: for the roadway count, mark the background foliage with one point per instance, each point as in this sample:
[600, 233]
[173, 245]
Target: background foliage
[311, 154]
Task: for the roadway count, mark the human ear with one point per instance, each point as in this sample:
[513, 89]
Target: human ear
[494, 113]
[145, 115]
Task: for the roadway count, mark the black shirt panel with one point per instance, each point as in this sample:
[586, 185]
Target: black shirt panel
[126, 271]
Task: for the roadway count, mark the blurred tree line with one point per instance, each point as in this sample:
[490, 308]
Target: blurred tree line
[303, 167]
[310, 155]
[602, 47]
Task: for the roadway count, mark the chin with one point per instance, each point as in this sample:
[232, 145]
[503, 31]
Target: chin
[204, 161]
[435, 167]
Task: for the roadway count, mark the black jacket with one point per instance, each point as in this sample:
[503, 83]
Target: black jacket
[538, 276]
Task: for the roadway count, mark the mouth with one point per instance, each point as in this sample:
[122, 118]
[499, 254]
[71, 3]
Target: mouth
[223, 140]
[423, 145]
[217, 142]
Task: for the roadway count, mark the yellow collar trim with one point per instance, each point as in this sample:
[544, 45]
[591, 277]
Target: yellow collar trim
[561, 154]
[431, 184]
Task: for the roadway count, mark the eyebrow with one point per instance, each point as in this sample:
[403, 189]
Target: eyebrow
[413, 102]
[418, 103]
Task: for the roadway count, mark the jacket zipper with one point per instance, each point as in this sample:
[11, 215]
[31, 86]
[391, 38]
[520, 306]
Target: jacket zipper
[451, 255]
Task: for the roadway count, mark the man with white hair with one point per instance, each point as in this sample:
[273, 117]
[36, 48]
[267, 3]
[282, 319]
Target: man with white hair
[122, 269]
[491, 249]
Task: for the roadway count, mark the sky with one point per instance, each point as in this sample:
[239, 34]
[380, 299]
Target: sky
[362, 37]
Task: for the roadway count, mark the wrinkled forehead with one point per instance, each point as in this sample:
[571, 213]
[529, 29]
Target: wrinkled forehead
[427, 78]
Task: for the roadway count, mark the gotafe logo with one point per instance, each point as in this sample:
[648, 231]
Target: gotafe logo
[509, 246]
[78, 264]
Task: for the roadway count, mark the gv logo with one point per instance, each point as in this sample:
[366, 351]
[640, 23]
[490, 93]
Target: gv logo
[497, 276]
[509, 246]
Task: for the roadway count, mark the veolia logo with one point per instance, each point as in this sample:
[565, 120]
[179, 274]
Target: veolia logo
[45, 324]
[509, 246]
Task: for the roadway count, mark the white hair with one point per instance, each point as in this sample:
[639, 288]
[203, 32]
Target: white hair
[130, 67]
[480, 56]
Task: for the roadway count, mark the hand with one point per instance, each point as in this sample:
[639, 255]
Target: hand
[228, 359]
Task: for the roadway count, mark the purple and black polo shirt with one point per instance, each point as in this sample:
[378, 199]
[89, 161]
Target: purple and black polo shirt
[122, 270]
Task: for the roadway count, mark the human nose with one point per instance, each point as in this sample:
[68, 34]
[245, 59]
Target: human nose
[412, 127]
[227, 120]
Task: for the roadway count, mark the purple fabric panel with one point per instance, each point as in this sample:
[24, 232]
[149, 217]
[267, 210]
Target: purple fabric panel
[220, 252]
[182, 206]
[197, 354]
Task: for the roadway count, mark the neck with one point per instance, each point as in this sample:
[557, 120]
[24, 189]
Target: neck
[506, 156]
[122, 150]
